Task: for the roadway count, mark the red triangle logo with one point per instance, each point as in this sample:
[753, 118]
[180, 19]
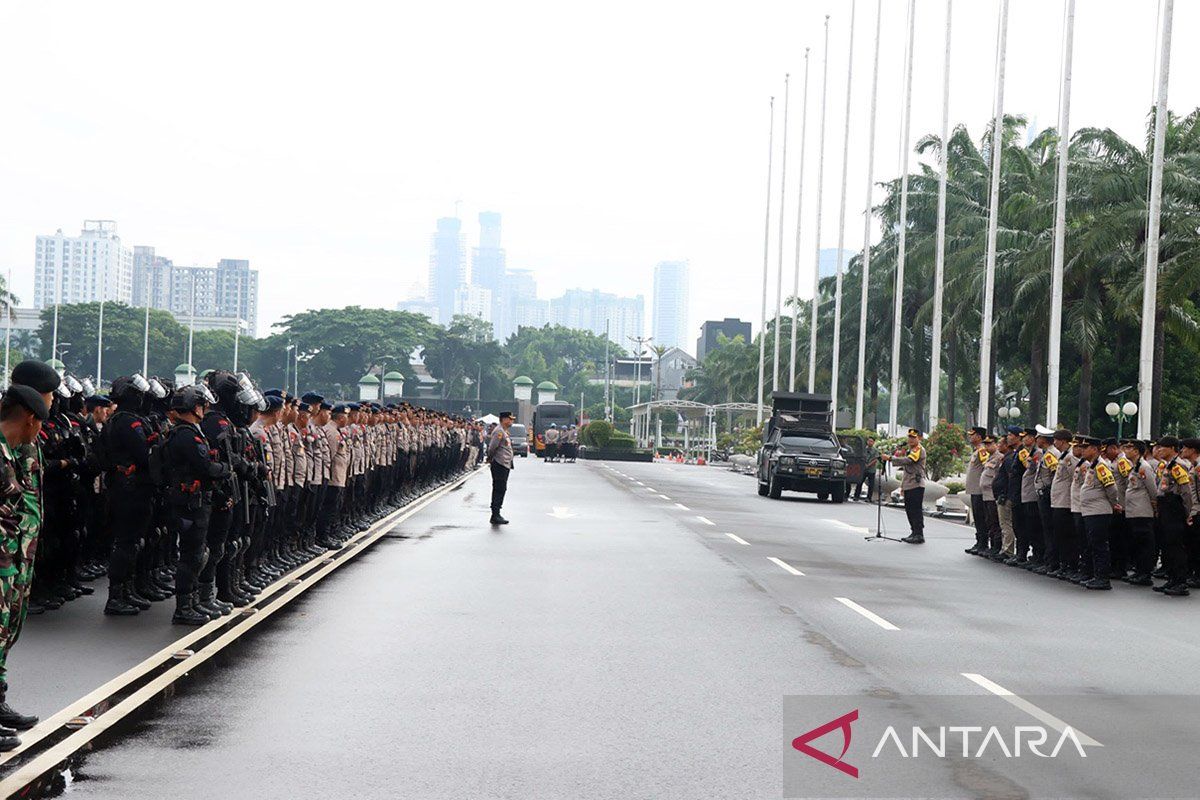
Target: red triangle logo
[801, 743]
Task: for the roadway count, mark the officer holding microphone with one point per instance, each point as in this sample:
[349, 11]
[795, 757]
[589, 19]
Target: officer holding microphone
[911, 460]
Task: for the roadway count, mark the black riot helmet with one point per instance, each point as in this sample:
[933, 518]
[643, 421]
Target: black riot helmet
[129, 389]
[188, 398]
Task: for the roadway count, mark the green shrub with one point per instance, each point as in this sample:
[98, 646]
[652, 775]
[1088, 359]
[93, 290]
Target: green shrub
[620, 441]
[955, 487]
[597, 433]
[946, 450]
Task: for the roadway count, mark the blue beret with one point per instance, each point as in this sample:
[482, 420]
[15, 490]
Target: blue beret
[326, 406]
[312, 397]
[1017, 429]
[274, 401]
[273, 393]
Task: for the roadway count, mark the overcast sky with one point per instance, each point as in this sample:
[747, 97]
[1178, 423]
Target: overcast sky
[321, 141]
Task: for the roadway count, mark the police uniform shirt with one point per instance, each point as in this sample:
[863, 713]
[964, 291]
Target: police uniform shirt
[1062, 489]
[339, 447]
[1174, 479]
[1045, 470]
[912, 464]
[300, 471]
[975, 470]
[1029, 458]
[1122, 466]
[1141, 490]
[987, 474]
[1081, 467]
[1098, 494]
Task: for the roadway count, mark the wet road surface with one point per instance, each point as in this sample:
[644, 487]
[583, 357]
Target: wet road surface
[633, 633]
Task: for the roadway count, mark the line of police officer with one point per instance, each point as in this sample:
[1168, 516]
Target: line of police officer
[1088, 510]
[207, 493]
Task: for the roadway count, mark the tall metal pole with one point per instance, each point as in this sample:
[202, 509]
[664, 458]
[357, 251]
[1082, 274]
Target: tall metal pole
[867, 216]
[939, 268]
[799, 217]
[607, 373]
[192, 322]
[296, 368]
[989, 282]
[1150, 288]
[1060, 218]
[237, 326]
[762, 332]
[782, 197]
[902, 243]
[816, 300]
[145, 332]
[8, 332]
[57, 302]
[836, 343]
[100, 324]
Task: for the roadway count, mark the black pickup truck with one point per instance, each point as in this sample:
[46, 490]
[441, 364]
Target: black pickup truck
[800, 451]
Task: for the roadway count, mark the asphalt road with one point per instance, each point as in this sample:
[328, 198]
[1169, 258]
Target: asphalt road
[660, 631]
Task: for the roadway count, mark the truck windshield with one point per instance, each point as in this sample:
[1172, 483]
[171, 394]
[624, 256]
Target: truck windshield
[517, 431]
[808, 443]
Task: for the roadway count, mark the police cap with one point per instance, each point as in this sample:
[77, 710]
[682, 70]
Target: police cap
[1063, 435]
[1169, 441]
[312, 398]
[979, 430]
[1190, 443]
[37, 375]
[28, 398]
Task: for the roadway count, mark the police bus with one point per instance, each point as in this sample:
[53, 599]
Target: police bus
[558, 412]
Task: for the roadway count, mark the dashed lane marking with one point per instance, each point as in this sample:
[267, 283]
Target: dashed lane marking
[706, 520]
[784, 565]
[847, 525]
[682, 507]
[871, 615]
[737, 538]
[663, 497]
[1029, 708]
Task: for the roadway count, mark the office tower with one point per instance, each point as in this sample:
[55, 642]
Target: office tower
[82, 269]
[670, 303]
[447, 265]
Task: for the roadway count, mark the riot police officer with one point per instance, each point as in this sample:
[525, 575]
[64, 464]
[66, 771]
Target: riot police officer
[192, 470]
[130, 491]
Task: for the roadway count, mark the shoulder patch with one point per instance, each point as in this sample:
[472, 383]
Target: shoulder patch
[224, 423]
[1180, 474]
[1104, 474]
[135, 424]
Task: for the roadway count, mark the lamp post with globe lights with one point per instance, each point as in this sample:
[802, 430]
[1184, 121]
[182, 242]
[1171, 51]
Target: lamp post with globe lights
[1010, 410]
[1120, 412]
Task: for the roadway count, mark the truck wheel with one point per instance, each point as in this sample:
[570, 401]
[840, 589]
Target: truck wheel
[774, 490]
[822, 496]
[839, 494]
[762, 489]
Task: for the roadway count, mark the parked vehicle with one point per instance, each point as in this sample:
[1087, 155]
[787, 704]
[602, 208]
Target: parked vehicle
[520, 440]
[800, 451]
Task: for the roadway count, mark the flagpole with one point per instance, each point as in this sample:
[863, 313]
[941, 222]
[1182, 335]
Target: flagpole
[237, 326]
[57, 302]
[145, 332]
[782, 198]
[799, 217]
[762, 333]
[1150, 288]
[989, 284]
[867, 216]
[836, 344]
[100, 325]
[1060, 217]
[816, 299]
[192, 321]
[939, 269]
[8, 331]
[902, 243]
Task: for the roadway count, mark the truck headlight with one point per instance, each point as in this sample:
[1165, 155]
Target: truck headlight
[786, 460]
[838, 465]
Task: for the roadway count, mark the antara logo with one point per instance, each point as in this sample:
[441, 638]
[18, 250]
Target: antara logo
[843, 722]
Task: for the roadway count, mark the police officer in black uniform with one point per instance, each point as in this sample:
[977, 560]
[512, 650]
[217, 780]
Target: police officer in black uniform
[130, 492]
[192, 471]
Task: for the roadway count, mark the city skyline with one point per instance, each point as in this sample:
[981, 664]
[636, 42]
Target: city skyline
[672, 166]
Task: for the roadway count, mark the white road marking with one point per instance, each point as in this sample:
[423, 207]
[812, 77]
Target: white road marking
[847, 525]
[639, 483]
[561, 512]
[871, 615]
[682, 507]
[663, 497]
[706, 520]
[737, 538]
[1029, 708]
[785, 565]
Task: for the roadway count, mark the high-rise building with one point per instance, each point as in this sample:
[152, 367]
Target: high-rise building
[487, 260]
[447, 265]
[670, 303]
[590, 310]
[731, 327]
[151, 278]
[517, 304]
[473, 301]
[82, 269]
[226, 291]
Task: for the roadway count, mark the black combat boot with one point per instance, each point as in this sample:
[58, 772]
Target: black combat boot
[914, 538]
[186, 612]
[118, 604]
[134, 598]
[206, 602]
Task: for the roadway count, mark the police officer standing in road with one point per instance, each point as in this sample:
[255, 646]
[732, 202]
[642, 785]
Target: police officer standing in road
[130, 492]
[1097, 502]
[500, 461]
[979, 457]
[912, 484]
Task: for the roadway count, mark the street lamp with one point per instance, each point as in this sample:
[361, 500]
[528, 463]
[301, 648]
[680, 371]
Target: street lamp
[523, 394]
[1010, 410]
[1119, 412]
